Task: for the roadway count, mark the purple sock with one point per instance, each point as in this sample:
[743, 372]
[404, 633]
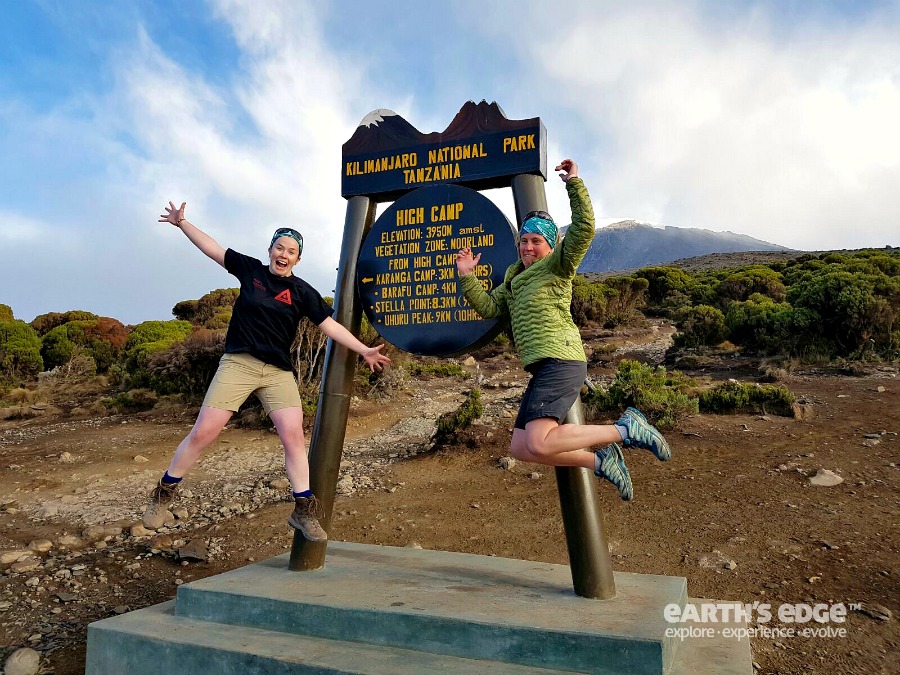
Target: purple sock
[623, 431]
[306, 494]
[170, 480]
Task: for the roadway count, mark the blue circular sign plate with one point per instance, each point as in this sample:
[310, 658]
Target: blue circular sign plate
[406, 273]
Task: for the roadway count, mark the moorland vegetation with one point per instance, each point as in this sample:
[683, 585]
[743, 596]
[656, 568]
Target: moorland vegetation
[838, 308]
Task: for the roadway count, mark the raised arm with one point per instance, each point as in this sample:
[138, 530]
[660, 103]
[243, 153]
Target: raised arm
[197, 237]
[578, 237]
[371, 355]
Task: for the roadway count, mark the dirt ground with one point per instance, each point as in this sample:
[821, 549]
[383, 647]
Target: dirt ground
[734, 511]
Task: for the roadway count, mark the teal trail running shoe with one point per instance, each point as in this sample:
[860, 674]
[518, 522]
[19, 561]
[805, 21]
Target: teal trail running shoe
[641, 434]
[613, 469]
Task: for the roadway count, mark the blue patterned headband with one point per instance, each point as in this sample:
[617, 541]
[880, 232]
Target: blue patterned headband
[542, 226]
[288, 232]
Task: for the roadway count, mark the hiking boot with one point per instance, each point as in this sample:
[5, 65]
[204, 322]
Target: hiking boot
[641, 434]
[305, 518]
[160, 499]
[613, 469]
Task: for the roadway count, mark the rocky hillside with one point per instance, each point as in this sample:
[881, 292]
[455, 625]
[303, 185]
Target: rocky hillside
[629, 244]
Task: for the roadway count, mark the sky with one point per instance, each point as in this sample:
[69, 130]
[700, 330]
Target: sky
[774, 119]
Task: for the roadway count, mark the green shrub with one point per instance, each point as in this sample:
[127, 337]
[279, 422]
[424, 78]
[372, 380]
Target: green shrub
[185, 310]
[602, 352]
[135, 400]
[854, 298]
[667, 288]
[186, 367]
[610, 302]
[757, 279]
[625, 299]
[733, 396]
[440, 369]
[852, 308]
[588, 305]
[117, 375]
[665, 398]
[699, 326]
[219, 320]
[6, 313]
[310, 405]
[212, 311]
[101, 338]
[20, 352]
[815, 307]
[151, 337]
[461, 418]
[56, 347]
[47, 322]
[703, 291]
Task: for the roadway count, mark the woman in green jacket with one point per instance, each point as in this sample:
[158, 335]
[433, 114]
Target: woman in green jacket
[536, 295]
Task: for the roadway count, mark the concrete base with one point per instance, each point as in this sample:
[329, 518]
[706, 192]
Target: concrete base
[378, 609]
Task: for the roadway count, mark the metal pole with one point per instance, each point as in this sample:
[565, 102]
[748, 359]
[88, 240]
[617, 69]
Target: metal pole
[592, 574]
[330, 426]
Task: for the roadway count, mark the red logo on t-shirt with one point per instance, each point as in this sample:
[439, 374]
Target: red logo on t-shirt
[284, 296]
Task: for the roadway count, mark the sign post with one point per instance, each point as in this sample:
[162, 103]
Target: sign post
[330, 425]
[401, 271]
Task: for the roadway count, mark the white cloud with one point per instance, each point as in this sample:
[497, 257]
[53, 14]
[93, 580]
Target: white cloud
[780, 130]
[22, 231]
[698, 124]
[258, 149]
[267, 153]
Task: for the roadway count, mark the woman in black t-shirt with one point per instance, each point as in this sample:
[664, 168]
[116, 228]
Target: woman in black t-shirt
[263, 324]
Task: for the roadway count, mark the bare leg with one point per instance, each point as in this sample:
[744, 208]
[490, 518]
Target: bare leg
[545, 441]
[289, 423]
[207, 428]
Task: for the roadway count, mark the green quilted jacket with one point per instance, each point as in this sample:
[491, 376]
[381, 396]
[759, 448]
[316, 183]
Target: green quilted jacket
[537, 299]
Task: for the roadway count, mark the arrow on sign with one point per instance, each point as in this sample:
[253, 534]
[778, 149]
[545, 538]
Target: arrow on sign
[367, 280]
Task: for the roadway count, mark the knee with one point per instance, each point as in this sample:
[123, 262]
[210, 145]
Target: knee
[529, 449]
[536, 450]
[292, 437]
[540, 451]
[203, 436]
[294, 447]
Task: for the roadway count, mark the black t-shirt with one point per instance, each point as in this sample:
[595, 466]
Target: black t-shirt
[268, 310]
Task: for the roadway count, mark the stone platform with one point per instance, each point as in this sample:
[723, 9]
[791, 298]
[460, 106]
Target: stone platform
[379, 609]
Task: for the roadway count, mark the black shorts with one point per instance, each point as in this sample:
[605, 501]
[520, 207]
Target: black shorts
[554, 386]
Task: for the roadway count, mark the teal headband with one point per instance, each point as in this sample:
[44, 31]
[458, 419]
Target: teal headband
[288, 232]
[546, 228]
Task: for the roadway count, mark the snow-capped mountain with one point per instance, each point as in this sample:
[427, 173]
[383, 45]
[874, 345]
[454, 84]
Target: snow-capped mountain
[630, 244]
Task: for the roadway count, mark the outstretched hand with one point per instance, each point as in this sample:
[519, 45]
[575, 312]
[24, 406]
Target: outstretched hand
[173, 215]
[375, 359]
[569, 170]
[466, 262]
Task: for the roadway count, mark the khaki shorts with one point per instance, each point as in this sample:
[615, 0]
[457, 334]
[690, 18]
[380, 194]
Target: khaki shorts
[240, 375]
